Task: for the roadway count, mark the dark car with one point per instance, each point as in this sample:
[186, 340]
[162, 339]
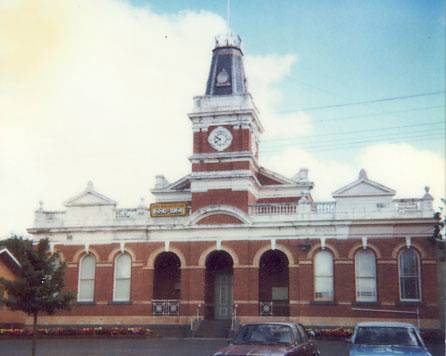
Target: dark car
[387, 339]
[271, 339]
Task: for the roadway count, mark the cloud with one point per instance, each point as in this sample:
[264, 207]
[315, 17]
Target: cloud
[265, 74]
[99, 90]
[406, 168]
[402, 167]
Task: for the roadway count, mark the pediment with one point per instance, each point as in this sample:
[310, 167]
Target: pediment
[89, 197]
[363, 187]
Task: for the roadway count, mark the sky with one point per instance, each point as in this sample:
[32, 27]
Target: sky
[100, 90]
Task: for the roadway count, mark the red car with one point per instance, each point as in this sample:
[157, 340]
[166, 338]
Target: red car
[271, 339]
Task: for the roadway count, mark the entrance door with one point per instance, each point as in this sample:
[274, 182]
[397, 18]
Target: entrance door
[223, 296]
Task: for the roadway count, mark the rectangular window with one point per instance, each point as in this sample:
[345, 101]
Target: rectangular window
[324, 288]
[409, 269]
[365, 269]
[323, 276]
[87, 269]
[279, 293]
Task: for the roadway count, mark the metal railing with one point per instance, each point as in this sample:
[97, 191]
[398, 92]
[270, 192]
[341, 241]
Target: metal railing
[266, 308]
[274, 308]
[165, 307]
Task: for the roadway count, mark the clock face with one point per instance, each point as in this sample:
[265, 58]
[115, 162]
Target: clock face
[222, 78]
[220, 138]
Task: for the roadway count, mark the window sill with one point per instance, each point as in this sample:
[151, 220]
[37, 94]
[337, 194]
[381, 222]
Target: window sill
[115, 302]
[365, 304]
[85, 303]
[323, 302]
[409, 303]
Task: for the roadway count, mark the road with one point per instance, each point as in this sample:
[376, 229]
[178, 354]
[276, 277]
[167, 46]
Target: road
[146, 347]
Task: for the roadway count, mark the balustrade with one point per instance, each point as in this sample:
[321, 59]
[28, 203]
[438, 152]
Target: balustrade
[165, 307]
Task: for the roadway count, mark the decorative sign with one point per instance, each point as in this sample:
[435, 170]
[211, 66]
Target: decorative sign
[162, 210]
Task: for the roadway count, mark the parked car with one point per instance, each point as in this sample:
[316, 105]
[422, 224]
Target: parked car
[271, 339]
[387, 339]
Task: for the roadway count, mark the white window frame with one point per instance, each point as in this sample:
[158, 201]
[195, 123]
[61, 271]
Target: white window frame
[331, 277]
[129, 278]
[373, 299]
[82, 279]
[418, 276]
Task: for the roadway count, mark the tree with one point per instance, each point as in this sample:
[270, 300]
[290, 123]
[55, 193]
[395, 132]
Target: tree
[438, 227]
[39, 286]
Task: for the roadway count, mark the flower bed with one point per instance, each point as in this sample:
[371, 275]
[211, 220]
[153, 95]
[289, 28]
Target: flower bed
[80, 332]
[331, 334]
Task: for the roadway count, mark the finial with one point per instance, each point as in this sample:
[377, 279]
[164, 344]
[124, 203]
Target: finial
[301, 176]
[40, 205]
[427, 195]
[90, 186]
[362, 174]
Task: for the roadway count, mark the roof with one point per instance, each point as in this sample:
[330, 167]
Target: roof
[363, 186]
[10, 259]
[387, 324]
[89, 197]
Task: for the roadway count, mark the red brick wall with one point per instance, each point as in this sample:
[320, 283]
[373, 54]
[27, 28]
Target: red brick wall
[240, 141]
[246, 278]
[238, 199]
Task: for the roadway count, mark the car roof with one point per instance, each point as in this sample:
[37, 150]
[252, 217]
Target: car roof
[387, 324]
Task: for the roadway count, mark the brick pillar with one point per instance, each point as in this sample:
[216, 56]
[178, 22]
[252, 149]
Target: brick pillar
[344, 281]
[387, 281]
[71, 278]
[246, 290]
[145, 289]
[192, 290]
[138, 284]
[103, 289]
[293, 290]
[306, 281]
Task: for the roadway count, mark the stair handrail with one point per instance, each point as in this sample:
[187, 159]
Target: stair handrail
[197, 318]
[234, 316]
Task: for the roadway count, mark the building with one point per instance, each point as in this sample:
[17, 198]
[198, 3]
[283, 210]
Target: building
[9, 268]
[234, 240]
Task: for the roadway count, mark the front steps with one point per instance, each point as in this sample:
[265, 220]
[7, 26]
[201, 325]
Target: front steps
[213, 329]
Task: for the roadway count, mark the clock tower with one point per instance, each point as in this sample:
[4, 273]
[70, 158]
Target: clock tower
[226, 130]
[226, 178]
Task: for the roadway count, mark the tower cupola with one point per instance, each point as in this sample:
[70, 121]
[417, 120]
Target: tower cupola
[227, 74]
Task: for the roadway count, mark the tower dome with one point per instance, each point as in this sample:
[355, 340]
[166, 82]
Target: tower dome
[227, 74]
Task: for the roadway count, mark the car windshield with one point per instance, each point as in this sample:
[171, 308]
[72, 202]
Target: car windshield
[264, 334]
[387, 336]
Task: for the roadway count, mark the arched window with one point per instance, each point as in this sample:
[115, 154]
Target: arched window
[365, 271]
[323, 276]
[123, 271]
[409, 269]
[87, 267]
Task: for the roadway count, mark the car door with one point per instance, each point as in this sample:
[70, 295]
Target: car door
[308, 347]
[300, 347]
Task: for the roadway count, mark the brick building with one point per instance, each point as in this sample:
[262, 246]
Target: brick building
[235, 240]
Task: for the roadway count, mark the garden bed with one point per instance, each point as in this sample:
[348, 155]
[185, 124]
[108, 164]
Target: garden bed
[95, 332]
